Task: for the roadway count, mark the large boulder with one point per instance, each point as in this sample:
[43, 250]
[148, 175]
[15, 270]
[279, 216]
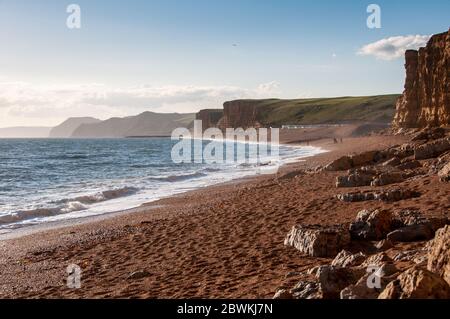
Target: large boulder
[416, 283]
[317, 241]
[371, 225]
[432, 149]
[439, 253]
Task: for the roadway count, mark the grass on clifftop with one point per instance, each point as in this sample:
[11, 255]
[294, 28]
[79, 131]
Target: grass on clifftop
[375, 109]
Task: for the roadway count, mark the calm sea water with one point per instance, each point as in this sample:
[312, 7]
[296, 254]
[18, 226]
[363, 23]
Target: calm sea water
[44, 180]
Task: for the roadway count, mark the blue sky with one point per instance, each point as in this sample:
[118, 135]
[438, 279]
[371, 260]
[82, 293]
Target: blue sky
[183, 55]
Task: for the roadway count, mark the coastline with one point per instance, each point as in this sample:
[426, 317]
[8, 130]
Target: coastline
[138, 205]
[153, 224]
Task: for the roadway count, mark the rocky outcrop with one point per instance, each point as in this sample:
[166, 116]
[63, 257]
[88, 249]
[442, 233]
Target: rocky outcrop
[432, 149]
[392, 195]
[417, 283]
[371, 225]
[347, 259]
[347, 162]
[439, 254]
[209, 117]
[317, 241]
[426, 99]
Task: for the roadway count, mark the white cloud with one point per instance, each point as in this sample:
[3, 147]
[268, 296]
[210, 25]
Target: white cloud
[21, 100]
[394, 47]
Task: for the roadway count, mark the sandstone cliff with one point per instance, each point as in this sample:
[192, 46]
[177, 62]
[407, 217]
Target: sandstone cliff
[240, 113]
[209, 117]
[426, 99]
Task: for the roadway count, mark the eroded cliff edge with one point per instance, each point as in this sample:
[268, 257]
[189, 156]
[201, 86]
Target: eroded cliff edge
[426, 99]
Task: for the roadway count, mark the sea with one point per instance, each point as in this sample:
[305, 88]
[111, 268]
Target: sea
[49, 180]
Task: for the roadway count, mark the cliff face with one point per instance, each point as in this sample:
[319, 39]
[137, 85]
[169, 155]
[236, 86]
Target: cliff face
[210, 118]
[239, 114]
[426, 99]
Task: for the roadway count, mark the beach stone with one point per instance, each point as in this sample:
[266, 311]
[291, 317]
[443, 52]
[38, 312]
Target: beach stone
[356, 197]
[413, 218]
[362, 289]
[411, 233]
[384, 244]
[364, 158]
[283, 294]
[378, 260]
[341, 164]
[429, 134]
[392, 162]
[432, 149]
[138, 275]
[371, 225]
[317, 241]
[439, 254]
[444, 173]
[392, 195]
[347, 259]
[388, 178]
[409, 165]
[357, 178]
[395, 195]
[334, 279]
[307, 290]
[416, 283]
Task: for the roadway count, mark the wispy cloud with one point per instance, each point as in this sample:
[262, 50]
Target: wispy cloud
[393, 47]
[21, 99]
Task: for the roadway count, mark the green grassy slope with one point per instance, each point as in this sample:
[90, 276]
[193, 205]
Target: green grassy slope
[377, 109]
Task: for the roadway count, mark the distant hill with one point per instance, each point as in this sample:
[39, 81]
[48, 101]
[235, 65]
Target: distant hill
[374, 109]
[145, 124]
[24, 132]
[66, 129]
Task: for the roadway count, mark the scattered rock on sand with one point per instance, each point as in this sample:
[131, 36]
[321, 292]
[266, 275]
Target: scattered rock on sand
[371, 225]
[392, 195]
[333, 279]
[411, 233]
[417, 283]
[392, 162]
[432, 149]
[341, 164]
[307, 290]
[317, 241]
[138, 275]
[384, 244]
[444, 173]
[377, 260]
[408, 165]
[283, 294]
[388, 178]
[363, 158]
[347, 259]
[362, 289]
[439, 253]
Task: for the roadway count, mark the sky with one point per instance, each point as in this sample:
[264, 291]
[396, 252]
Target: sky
[186, 55]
